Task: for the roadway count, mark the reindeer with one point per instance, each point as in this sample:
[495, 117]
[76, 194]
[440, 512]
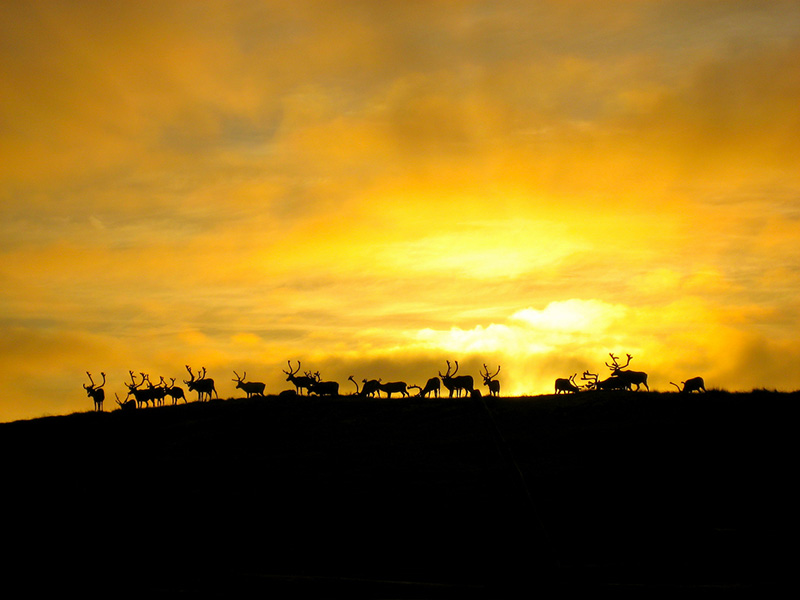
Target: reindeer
[299, 382]
[157, 392]
[630, 377]
[143, 396]
[127, 405]
[323, 388]
[96, 392]
[370, 387]
[201, 385]
[567, 385]
[612, 383]
[489, 380]
[175, 392]
[392, 387]
[249, 387]
[431, 387]
[456, 384]
[695, 384]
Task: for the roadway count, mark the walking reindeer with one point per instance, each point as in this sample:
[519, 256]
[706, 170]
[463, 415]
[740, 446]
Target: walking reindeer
[250, 387]
[201, 385]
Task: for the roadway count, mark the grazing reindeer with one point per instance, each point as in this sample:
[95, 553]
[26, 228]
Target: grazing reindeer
[456, 384]
[249, 387]
[127, 405]
[300, 383]
[489, 380]
[431, 387]
[695, 384]
[371, 387]
[612, 383]
[630, 377]
[96, 392]
[392, 387]
[202, 386]
[143, 396]
[568, 385]
[175, 392]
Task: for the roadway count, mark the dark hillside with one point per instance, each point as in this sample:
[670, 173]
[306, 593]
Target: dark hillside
[406, 498]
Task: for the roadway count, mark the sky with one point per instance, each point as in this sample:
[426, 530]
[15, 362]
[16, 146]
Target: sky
[375, 188]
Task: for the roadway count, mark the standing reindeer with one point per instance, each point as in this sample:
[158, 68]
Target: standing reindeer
[568, 385]
[300, 383]
[143, 396]
[96, 392]
[456, 384]
[489, 380]
[629, 377]
[393, 386]
[249, 387]
[175, 392]
[157, 392]
[202, 386]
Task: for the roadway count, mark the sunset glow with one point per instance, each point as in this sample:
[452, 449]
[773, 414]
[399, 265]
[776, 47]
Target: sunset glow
[375, 188]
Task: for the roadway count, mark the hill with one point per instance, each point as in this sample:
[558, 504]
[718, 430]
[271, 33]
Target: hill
[406, 498]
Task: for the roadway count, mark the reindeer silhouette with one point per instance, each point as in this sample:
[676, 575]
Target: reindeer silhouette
[322, 388]
[143, 396]
[432, 386]
[202, 386]
[96, 392]
[392, 387]
[695, 384]
[175, 392]
[456, 384]
[127, 405]
[567, 385]
[300, 383]
[490, 381]
[250, 387]
[629, 377]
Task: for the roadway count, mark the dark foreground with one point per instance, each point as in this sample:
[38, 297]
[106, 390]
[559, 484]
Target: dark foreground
[312, 497]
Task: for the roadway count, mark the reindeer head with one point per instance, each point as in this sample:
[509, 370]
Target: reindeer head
[92, 387]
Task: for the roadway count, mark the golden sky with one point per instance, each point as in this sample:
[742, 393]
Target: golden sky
[377, 187]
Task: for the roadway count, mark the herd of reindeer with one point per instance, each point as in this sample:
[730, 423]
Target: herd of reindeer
[141, 394]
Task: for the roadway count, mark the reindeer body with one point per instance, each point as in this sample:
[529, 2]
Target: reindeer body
[250, 387]
[393, 387]
[456, 384]
[300, 383]
[324, 388]
[566, 385]
[96, 392]
[490, 381]
[432, 386]
[175, 392]
[631, 378]
[695, 384]
[203, 386]
[370, 387]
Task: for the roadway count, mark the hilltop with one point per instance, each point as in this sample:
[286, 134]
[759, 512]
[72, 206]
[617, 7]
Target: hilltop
[406, 497]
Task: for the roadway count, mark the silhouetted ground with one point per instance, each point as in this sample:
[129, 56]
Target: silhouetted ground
[406, 498]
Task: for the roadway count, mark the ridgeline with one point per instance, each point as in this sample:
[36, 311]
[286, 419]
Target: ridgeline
[406, 498]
